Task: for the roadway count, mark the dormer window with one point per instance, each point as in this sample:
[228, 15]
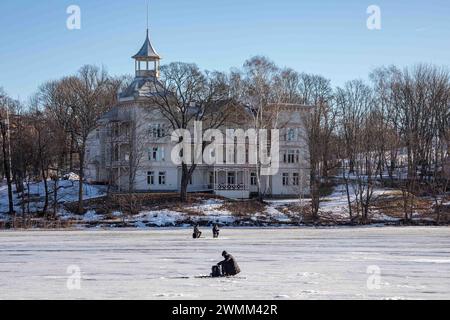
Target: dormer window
[291, 134]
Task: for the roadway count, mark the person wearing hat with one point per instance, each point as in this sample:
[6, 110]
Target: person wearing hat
[229, 265]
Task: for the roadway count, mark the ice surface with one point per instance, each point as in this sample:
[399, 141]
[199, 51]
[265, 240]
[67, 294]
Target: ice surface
[294, 263]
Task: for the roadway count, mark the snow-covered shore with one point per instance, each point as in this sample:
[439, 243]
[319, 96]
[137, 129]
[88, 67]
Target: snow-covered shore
[205, 211]
[67, 192]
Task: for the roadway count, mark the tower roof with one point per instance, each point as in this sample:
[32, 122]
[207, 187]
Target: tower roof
[147, 52]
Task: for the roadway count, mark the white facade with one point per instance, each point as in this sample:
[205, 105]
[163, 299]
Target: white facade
[133, 144]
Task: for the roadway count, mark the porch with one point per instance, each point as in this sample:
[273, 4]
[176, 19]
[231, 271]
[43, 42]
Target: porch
[232, 183]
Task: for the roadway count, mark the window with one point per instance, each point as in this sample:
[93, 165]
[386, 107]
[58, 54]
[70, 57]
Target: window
[291, 135]
[150, 177]
[162, 177]
[291, 156]
[231, 178]
[157, 130]
[116, 131]
[295, 179]
[153, 131]
[156, 154]
[116, 153]
[231, 154]
[285, 179]
[153, 154]
[253, 179]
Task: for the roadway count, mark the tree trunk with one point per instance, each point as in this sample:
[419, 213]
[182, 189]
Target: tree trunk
[325, 170]
[183, 190]
[71, 153]
[80, 182]
[7, 170]
[347, 190]
[258, 182]
[315, 192]
[351, 166]
[44, 177]
[28, 196]
[184, 182]
[315, 199]
[23, 204]
[438, 212]
[55, 196]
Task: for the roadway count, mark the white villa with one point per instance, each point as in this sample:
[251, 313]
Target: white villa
[128, 129]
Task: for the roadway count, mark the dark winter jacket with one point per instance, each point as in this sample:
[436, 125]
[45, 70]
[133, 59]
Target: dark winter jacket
[229, 266]
[197, 233]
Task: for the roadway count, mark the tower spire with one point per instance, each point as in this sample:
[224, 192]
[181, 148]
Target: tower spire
[146, 56]
[147, 13]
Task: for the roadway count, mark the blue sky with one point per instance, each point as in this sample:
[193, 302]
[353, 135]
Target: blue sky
[327, 37]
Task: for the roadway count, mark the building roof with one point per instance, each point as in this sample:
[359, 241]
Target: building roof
[142, 87]
[147, 52]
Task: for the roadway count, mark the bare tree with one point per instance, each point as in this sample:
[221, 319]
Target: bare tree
[418, 97]
[43, 151]
[262, 90]
[186, 94]
[316, 91]
[22, 156]
[357, 124]
[7, 106]
[88, 95]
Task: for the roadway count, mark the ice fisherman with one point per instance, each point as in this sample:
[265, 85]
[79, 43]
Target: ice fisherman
[229, 265]
[215, 230]
[197, 233]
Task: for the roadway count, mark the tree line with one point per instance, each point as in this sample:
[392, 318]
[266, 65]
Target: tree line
[392, 129]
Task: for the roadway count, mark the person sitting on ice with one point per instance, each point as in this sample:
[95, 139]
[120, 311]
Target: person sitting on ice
[215, 231]
[229, 265]
[197, 233]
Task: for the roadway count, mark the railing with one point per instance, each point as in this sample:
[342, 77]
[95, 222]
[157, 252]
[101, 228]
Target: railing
[146, 73]
[230, 187]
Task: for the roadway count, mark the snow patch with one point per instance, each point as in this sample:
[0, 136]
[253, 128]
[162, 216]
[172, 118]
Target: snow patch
[91, 216]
